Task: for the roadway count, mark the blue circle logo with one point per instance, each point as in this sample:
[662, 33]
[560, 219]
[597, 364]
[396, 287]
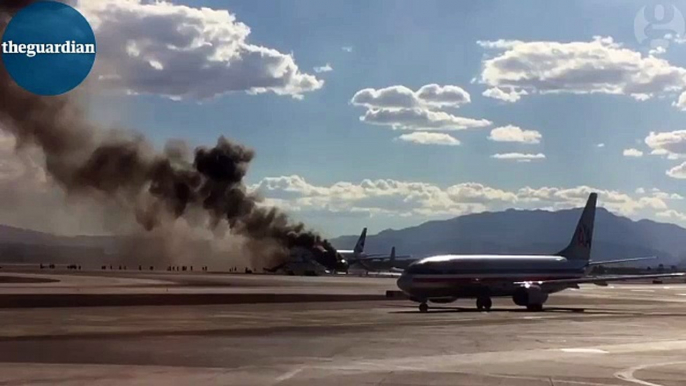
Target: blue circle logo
[48, 48]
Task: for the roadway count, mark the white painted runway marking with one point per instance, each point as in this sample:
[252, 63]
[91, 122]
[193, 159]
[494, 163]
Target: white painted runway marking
[458, 362]
[550, 379]
[635, 290]
[543, 317]
[289, 375]
[584, 350]
[628, 374]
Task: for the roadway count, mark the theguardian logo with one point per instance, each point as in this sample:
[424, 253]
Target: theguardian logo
[48, 48]
[32, 50]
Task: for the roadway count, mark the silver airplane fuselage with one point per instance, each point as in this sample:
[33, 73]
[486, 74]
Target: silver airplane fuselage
[467, 276]
[528, 279]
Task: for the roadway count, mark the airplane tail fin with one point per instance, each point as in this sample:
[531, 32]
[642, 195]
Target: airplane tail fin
[359, 247]
[392, 259]
[580, 246]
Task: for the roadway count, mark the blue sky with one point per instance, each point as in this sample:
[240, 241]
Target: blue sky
[321, 139]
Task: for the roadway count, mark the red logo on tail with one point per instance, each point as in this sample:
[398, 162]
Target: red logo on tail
[583, 238]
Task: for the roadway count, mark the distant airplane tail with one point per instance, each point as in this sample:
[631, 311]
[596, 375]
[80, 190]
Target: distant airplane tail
[392, 259]
[580, 246]
[359, 247]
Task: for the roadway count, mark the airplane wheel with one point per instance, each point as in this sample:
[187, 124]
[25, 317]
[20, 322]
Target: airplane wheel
[423, 307]
[488, 303]
[535, 307]
[483, 303]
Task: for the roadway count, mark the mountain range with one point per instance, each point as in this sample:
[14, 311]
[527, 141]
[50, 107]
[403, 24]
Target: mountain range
[507, 232]
[531, 232]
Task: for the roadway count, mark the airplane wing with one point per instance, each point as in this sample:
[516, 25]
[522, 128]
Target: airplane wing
[602, 279]
[381, 256]
[370, 256]
[365, 266]
[622, 260]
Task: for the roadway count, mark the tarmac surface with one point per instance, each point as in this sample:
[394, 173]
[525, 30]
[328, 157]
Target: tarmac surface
[624, 334]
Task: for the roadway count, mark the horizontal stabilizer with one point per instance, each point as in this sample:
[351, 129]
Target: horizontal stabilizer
[381, 256]
[622, 260]
[602, 279]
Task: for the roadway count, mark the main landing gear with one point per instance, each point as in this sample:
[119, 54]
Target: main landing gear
[423, 307]
[484, 303]
[534, 307]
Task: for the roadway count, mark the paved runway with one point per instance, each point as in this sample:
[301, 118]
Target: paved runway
[135, 282]
[618, 335]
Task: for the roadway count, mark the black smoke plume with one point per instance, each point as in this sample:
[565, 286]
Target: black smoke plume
[157, 186]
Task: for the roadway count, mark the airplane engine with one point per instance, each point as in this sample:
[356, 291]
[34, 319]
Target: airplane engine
[529, 295]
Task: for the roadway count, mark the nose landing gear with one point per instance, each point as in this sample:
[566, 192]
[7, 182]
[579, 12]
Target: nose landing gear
[484, 303]
[423, 307]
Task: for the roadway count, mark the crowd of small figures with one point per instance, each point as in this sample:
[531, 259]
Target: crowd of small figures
[170, 268]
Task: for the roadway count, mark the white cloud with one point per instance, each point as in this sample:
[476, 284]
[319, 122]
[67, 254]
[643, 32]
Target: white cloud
[424, 138]
[655, 192]
[430, 96]
[569, 197]
[512, 133]
[641, 97]
[670, 143]
[505, 96]
[596, 66]
[288, 187]
[347, 48]
[500, 44]
[519, 157]
[435, 96]
[325, 68]
[399, 97]
[640, 191]
[420, 119]
[600, 145]
[681, 102]
[657, 51]
[184, 52]
[404, 109]
[672, 214]
[675, 38]
[632, 153]
[389, 197]
[678, 171]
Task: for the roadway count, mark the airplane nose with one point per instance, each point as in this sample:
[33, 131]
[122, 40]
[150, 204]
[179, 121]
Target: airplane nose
[404, 282]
